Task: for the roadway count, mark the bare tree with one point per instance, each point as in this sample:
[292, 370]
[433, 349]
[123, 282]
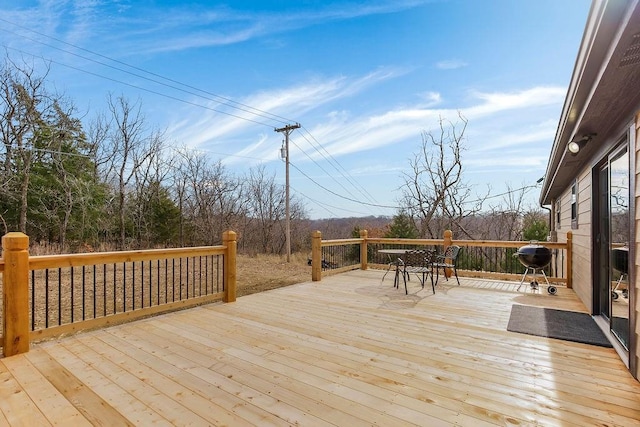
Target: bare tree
[505, 220]
[129, 146]
[210, 198]
[266, 201]
[150, 174]
[434, 192]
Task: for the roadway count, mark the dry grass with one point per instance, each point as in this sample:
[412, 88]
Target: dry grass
[263, 272]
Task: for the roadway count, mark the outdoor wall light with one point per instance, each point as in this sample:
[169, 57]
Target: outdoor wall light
[576, 145]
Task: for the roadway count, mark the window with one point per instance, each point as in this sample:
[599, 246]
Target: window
[558, 216]
[574, 204]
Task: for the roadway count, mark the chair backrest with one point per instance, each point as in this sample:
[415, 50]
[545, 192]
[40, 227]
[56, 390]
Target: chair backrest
[417, 258]
[452, 252]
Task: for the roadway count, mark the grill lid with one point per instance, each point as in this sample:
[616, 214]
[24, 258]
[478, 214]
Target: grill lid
[534, 255]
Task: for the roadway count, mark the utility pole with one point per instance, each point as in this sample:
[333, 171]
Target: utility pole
[284, 153]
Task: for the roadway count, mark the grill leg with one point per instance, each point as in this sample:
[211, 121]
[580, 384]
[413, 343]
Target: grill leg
[545, 276]
[524, 276]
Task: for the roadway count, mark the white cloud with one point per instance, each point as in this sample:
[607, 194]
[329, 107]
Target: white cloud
[451, 64]
[196, 128]
[431, 99]
[502, 101]
[544, 131]
[182, 27]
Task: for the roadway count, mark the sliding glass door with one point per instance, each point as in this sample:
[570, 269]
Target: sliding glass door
[612, 244]
[619, 247]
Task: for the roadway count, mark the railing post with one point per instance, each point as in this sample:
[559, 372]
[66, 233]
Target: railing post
[569, 260]
[15, 279]
[316, 256]
[447, 241]
[229, 239]
[363, 250]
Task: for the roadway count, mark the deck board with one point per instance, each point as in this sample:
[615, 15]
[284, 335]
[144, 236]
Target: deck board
[349, 350]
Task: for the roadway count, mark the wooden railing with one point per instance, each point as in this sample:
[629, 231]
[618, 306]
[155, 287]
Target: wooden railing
[45, 296]
[479, 258]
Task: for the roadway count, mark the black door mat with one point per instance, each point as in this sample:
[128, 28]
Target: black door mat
[559, 324]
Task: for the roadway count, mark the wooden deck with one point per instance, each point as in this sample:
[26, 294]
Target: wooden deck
[346, 351]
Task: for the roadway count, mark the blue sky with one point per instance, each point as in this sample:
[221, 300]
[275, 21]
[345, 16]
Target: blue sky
[365, 79]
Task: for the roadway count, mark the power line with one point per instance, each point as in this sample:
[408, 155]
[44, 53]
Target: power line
[526, 187]
[339, 195]
[324, 205]
[323, 169]
[331, 159]
[227, 101]
[139, 87]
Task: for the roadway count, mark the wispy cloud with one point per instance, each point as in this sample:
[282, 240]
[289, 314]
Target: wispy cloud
[494, 102]
[196, 128]
[183, 27]
[451, 64]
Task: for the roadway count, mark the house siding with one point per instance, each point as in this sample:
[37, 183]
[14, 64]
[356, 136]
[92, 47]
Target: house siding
[582, 254]
[634, 299]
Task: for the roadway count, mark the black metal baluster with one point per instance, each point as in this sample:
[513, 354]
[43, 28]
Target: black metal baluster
[124, 287]
[151, 282]
[59, 296]
[180, 279]
[72, 294]
[46, 300]
[84, 295]
[33, 300]
[158, 284]
[133, 285]
[104, 289]
[141, 284]
[94, 292]
[115, 280]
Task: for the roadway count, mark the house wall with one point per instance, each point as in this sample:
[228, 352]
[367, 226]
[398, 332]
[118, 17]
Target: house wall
[582, 254]
[634, 299]
[583, 241]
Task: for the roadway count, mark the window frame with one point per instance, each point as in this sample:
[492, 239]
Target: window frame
[574, 204]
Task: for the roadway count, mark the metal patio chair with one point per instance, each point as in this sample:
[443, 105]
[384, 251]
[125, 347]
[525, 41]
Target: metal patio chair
[419, 262]
[447, 260]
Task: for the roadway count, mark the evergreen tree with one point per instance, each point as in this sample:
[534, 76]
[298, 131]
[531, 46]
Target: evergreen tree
[402, 227]
[535, 227]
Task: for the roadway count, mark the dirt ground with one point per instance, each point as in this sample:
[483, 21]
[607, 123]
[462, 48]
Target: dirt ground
[263, 272]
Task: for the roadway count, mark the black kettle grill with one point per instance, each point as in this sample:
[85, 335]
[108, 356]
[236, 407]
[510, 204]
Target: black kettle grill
[535, 257]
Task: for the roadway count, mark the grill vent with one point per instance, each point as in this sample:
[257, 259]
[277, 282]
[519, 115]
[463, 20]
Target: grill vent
[632, 54]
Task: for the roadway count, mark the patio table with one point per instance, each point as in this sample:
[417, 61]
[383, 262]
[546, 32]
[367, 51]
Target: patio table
[389, 253]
